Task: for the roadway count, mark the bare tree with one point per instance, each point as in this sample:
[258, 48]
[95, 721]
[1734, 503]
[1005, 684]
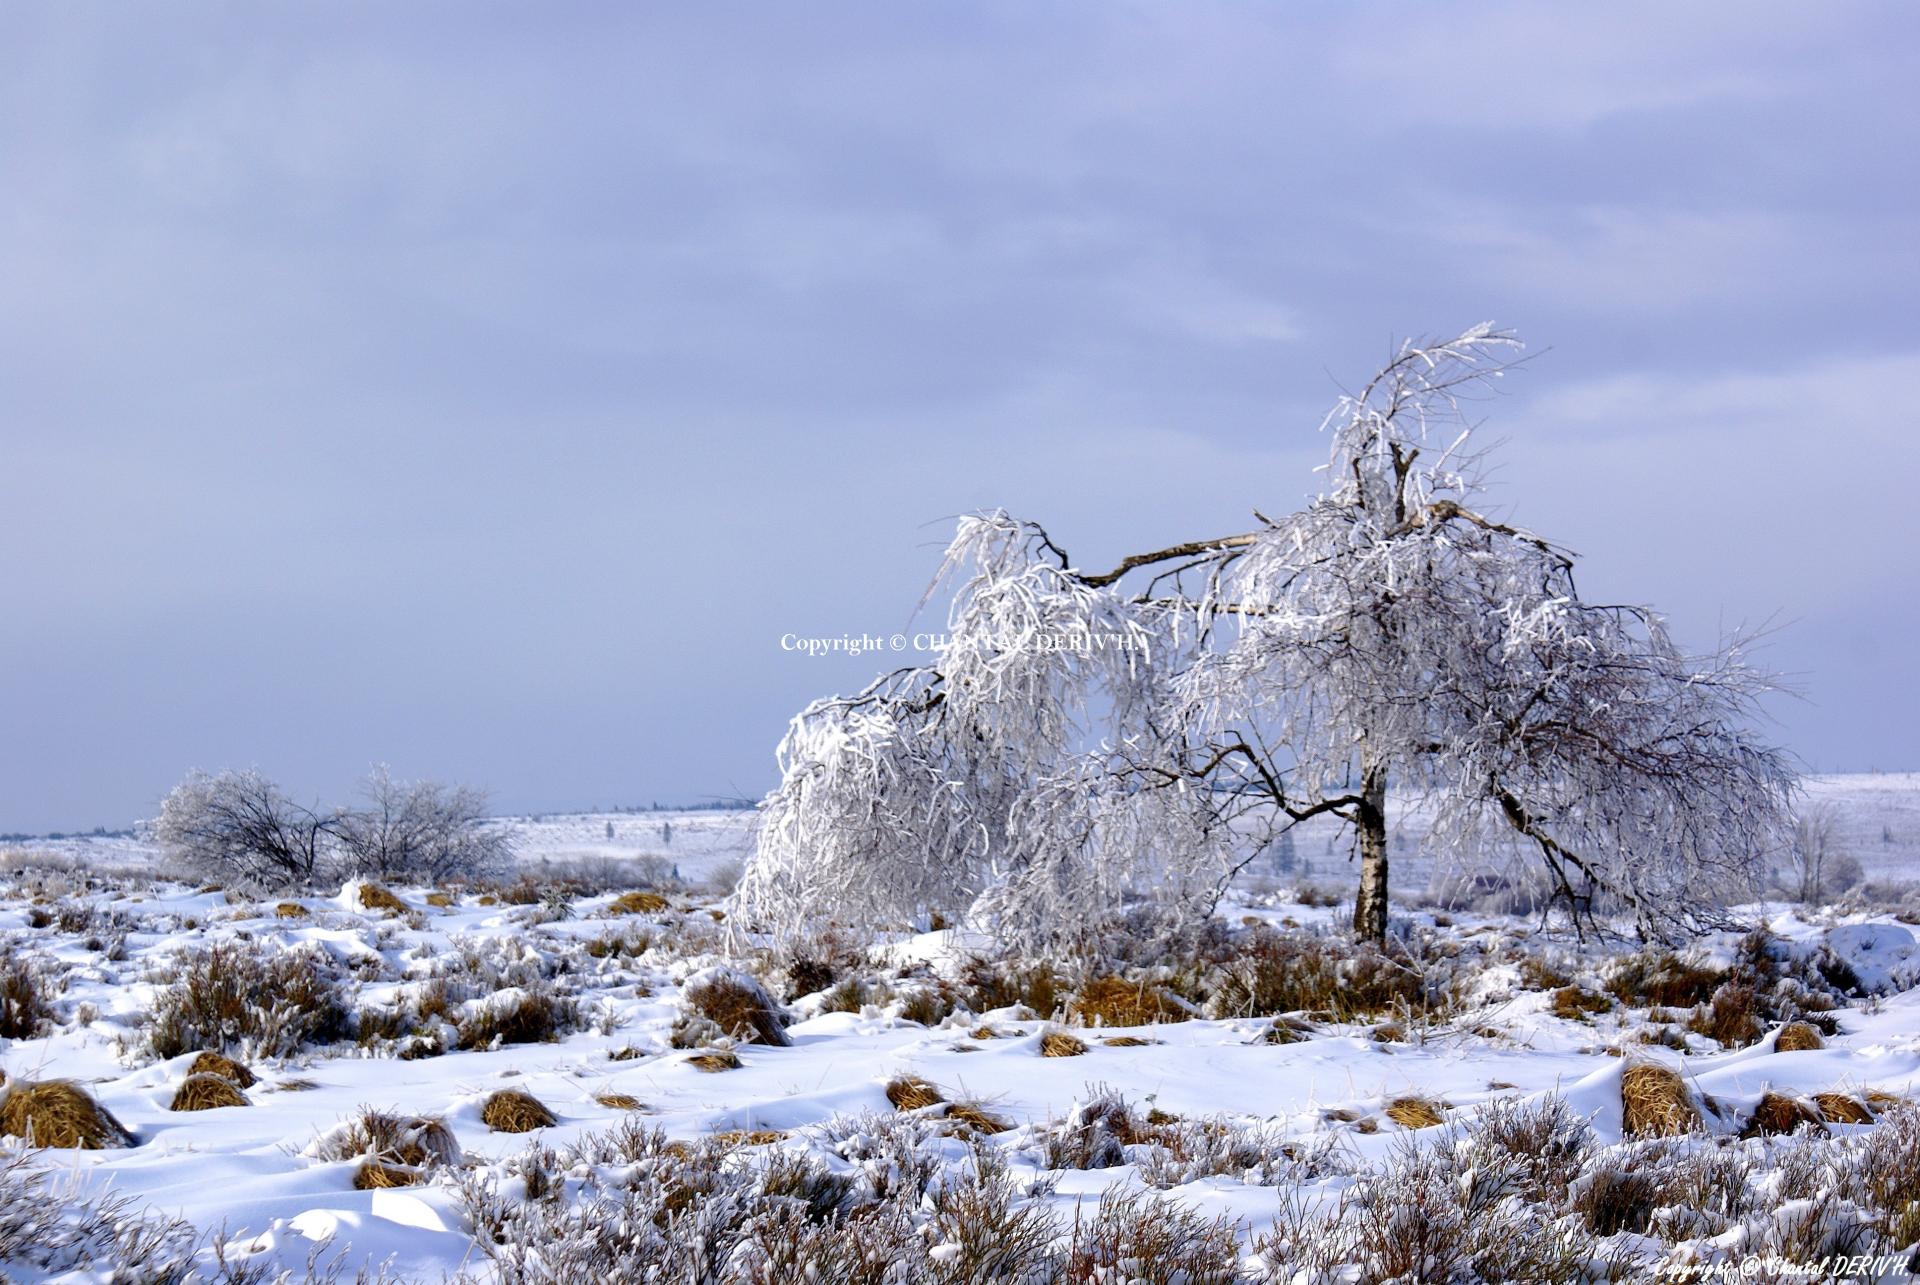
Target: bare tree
[1822, 866]
[419, 830]
[1089, 739]
[239, 826]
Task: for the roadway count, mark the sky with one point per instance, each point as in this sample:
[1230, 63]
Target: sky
[485, 390]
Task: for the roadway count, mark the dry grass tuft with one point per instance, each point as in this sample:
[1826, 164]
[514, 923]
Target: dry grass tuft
[1655, 1101]
[1842, 1108]
[738, 1005]
[372, 1175]
[291, 910]
[375, 897]
[1880, 1101]
[736, 1138]
[1795, 1037]
[1578, 1005]
[619, 1101]
[983, 1033]
[627, 1054]
[1127, 1042]
[1778, 1113]
[297, 1085]
[975, 1116]
[207, 1092]
[638, 903]
[440, 900]
[391, 1142]
[911, 1093]
[1115, 1001]
[515, 1111]
[1415, 1112]
[1061, 1044]
[211, 1063]
[59, 1113]
[716, 1060]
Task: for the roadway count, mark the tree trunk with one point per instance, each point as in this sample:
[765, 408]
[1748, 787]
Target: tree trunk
[1370, 906]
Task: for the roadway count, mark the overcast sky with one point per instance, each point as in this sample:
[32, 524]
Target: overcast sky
[485, 389]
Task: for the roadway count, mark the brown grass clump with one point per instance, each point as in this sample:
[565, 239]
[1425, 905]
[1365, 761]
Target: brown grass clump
[1415, 1113]
[297, 1085]
[1778, 1113]
[1795, 1037]
[736, 1138]
[372, 1175]
[619, 1101]
[1115, 1001]
[1656, 1102]
[1842, 1108]
[207, 1092]
[388, 1141]
[738, 1005]
[1127, 1042]
[441, 900]
[716, 1060]
[911, 1093]
[375, 897]
[1578, 1005]
[291, 910]
[638, 903]
[975, 1116]
[983, 1033]
[1730, 1018]
[211, 1063]
[1879, 1100]
[59, 1113]
[1662, 980]
[515, 1111]
[1061, 1044]
[627, 1054]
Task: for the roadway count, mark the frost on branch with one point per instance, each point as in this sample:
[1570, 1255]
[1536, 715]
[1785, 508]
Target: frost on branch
[1391, 636]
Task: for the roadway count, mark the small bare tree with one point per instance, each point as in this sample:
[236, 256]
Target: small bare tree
[1821, 864]
[420, 830]
[1089, 739]
[241, 827]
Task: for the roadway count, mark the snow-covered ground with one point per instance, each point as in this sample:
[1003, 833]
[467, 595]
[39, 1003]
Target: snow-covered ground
[1498, 1013]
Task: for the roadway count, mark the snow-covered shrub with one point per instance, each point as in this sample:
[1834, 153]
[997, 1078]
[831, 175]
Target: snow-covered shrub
[420, 832]
[259, 1000]
[1134, 1236]
[25, 1007]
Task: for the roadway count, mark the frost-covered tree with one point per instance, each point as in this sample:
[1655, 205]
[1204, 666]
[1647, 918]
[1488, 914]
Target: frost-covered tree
[420, 830]
[1089, 739]
[241, 827]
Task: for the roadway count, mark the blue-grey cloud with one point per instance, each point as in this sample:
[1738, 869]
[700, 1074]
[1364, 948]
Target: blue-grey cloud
[485, 389]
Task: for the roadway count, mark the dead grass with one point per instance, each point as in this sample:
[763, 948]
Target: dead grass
[1732, 1017]
[1415, 1112]
[291, 910]
[738, 1005]
[1662, 980]
[1655, 1101]
[297, 1085]
[375, 897]
[1796, 1037]
[1115, 1001]
[1577, 1004]
[1127, 1042]
[211, 1063]
[638, 903]
[715, 1061]
[736, 1138]
[1061, 1044]
[619, 1101]
[387, 1140]
[1778, 1113]
[627, 1054]
[975, 1116]
[1842, 1108]
[911, 1093]
[59, 1113]
[207, 1092]
[983, 1033]
[440, 900]
[516, 1111]
[373, 1175]
[1880, 1101]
